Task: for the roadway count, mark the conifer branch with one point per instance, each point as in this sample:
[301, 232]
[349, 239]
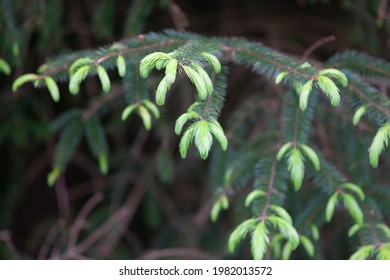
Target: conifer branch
[270, 190]
[362, 95]
[270, 151]
[247, 53]
[63, 64]
[278, 61]
[296, 125]
[362, 63]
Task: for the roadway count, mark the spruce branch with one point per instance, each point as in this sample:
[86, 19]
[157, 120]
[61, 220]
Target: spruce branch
[367, 101]
[362, 64]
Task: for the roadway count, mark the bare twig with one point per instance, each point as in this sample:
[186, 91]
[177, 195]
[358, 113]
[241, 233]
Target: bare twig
[62, 196]
[85, 163]
[203, 214]
[316, 45]
[139, 142]
[43, 251]
[81, 218]
[87, 187]
[179, 18]
[34, 169]
[50, 238]
[166, 204]
[133, 240]
[129, 208]
[381, 12]
[5, 236]
[122, 216]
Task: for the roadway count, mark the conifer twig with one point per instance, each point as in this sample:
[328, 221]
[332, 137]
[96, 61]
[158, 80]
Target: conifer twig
[316, 45]
[81, 218]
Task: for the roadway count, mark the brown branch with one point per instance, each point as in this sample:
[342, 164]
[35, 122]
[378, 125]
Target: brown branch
[65, 66]
[373, 104]
[166, 204]
[5, 236]
[121, 217]
[81, 218]
[296, 126]
[139, 142]
[130, 207]
[316, 45]
[88, 187]
[271, 189]
[266, 59]
[50, 238]
[356, 64]
[381, 12]
[39, 164]
[62, 196]
[128, 51]
[369, 214]
[178, 16]
[202, 216]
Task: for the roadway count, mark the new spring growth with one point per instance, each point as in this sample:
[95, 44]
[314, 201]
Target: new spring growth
[121, 65]
[359, 113]
[381, 139]
[37, 80]
[379, 144]
[120, 61]
[201, 132]
[322, 80]
[80, 69]
[295, 161]
[278, 217]
[222, 203]
[143, 109]
[194, 71]
[53, 176]
[4, 67]
[347, 192]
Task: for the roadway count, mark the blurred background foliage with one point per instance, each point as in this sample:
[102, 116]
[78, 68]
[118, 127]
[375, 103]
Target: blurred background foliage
[153, 204]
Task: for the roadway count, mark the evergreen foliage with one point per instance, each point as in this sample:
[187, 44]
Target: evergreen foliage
[278, 174]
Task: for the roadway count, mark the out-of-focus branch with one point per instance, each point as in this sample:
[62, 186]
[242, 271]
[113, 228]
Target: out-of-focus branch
[316, 45]
[179, 18]
[121, 219]
[81, 218]
[62, 196]
[5, 236]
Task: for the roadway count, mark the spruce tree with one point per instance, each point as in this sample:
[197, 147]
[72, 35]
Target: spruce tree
[263, 163]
